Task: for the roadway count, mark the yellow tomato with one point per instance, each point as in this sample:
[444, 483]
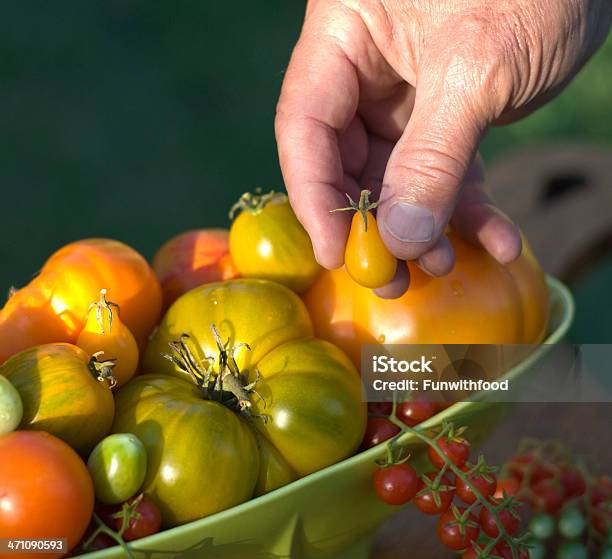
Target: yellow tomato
[366, 258]
[105, 335]
[267, 241]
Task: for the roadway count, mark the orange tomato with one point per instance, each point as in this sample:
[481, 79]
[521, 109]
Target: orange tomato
[45, 491]
[480, 301]
[53, 307]
[193, 258]
[366, 258]
[105, 334]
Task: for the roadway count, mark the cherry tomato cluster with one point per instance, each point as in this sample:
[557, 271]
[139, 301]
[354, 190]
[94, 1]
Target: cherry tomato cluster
[471, 520]
[573, 508]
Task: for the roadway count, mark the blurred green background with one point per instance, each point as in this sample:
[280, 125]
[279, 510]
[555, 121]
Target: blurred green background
[137, 120]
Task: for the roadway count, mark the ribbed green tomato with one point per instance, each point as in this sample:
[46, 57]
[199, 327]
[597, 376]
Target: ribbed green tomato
[118, 466]
[306, 404]
[11, 408]
[61, 394]
[202, 457]
[267, 241]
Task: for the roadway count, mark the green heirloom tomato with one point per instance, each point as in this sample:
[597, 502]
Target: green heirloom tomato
[63, 392]
[11, 408]
[302, 395]
[267, 241]
[202, 456]
[118, 465]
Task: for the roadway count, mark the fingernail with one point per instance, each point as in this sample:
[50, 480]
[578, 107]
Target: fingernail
[409, 223]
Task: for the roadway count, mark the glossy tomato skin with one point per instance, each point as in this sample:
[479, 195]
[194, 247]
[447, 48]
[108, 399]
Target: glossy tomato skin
[489, 525]
[450, 534]
[297, 372]
[367, 259]
[396, 484]
[61, 395]
[274, 471]
[53, 307]
[425, 500]
[191, 259]
[486, 485]
[457, 451]
[147, 523]
[413, 413]
[271, 243]
[378, 429]
[194, 447]
[11, 408]
[480, 301]
[45, 490]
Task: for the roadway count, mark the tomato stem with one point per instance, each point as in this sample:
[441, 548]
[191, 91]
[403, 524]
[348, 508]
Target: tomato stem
[363, 207]
[254, 202]
[103, 370]
[103, 305]
[228, 385]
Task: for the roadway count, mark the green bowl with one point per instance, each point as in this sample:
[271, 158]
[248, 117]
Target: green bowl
[332, 513]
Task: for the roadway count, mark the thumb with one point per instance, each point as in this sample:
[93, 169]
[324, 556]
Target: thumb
[425, 173]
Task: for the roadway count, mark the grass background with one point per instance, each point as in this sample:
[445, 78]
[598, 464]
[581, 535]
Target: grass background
[137, 120]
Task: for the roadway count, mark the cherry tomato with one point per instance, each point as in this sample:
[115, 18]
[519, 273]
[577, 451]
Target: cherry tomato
[573, 482]
[548, 495]
[504, 551]
[397, 484]
[413, 413]
[602, 491]
[509, 520]
[452, 535]
[425, 500]
[105, 332]
[542, 526]
[378, 429]
[45, 489]
[522, 464]
[457, 450]
[507, 487]
[367, 259]
[474, 553]
[601, 520]
[571, 523]
[380, 408]
[193, 258]
[572, 550]
[147, 521]
[485, 484]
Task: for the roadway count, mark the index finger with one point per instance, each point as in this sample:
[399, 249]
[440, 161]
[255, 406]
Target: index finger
[317, 103]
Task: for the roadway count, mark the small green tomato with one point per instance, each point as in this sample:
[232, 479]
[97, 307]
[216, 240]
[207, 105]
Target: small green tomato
[537, 549]
[571, 524]
[118, 465]
[542, 526]
[572, 550]
[11, 408]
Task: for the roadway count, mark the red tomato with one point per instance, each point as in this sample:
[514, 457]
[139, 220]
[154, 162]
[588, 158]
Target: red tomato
[457, 450]
[45, 490]
[397, 484]
[452, 535]
[505, 551]
[601, 520]
[602, 491]
[380, 408]
[146, 523]
[507, 487]
[378, 429]
[548, 495]
[413, 413]
[471, 553]
[193, 258]
[485, 484]
[425, 500]
[520, 465]
[573, 482]
[509, 520]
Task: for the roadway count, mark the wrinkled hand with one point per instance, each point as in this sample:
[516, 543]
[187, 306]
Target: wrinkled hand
[395, 96]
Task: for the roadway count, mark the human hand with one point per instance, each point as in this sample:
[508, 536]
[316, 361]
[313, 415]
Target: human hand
[395, 97]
